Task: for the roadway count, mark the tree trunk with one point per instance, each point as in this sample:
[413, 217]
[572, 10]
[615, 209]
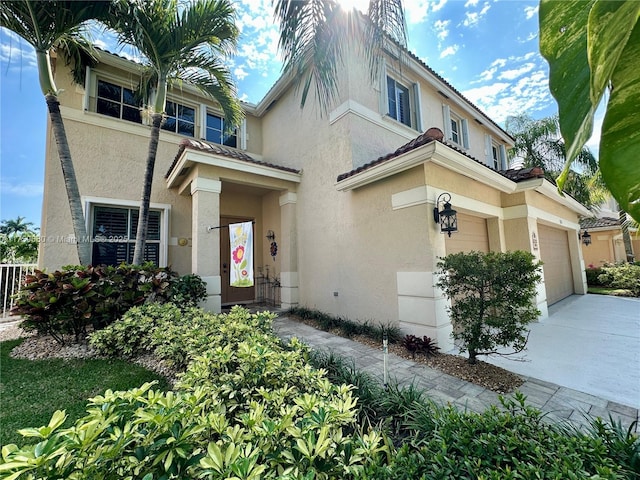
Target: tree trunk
[143, 217]
[68, 173]
[472, 357]
[626, 238]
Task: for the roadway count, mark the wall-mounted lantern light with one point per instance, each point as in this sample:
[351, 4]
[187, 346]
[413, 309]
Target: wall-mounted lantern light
[447, 216]
[270, 235]
[586, 238]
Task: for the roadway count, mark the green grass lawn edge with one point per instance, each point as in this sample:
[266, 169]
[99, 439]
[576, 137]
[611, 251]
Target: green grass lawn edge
[32, 390]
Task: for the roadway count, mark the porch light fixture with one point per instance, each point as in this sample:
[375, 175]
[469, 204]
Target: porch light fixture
[586, 238]
[270, 235]
[447, 216]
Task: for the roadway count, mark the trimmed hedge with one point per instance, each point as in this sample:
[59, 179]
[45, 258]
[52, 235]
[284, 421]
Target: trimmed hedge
[247, 407]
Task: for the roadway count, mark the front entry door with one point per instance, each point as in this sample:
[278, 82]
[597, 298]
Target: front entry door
[232, 295]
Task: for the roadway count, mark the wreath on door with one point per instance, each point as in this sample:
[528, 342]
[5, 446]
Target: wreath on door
[274, 250]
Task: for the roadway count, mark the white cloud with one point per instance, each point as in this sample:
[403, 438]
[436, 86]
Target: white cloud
[24, 189]
[450, 50]
[530, 11]
[15, 53]
[516, 72]
[442, 29]
[472, 18]
[240, 73]
[480, 95]
[418, 10]
[471, 3]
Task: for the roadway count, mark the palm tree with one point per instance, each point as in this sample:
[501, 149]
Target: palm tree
[47, 25]
[538, 144]
[315, 34]
[180, 42]
[17, 226]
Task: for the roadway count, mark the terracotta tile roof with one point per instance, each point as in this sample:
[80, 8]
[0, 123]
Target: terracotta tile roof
[518, 174]
[604, 222]
[435, 135]
[221, 150]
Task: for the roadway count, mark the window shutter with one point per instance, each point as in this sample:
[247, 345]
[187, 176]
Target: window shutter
[391, 98]
[403, 105]
[487, 150]
[243, 135]
[465, 134]
[203, 122]
[446, 114]
[384, 100]
[503, 158]
[418, 107]
[87, 89]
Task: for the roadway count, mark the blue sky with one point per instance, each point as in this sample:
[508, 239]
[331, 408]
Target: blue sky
[487, 49]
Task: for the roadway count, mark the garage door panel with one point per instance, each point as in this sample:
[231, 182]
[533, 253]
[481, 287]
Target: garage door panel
[471, 235]
[554, 251]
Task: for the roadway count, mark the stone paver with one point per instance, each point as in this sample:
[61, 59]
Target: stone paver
[559, 403]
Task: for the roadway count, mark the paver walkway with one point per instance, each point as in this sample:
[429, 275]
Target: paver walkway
[558, 402]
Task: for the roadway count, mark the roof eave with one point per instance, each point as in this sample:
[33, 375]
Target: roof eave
[435, 152]
[549, 190]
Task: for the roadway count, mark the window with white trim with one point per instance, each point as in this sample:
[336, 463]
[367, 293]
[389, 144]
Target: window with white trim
[117, 101]
[496, 153]
[215, 131]
[179, 119]
[113, 234]
[456, 128]
[398, 97]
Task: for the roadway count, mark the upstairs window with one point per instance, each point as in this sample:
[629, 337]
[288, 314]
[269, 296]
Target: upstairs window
[399, 101]
[496, 153]
[114, 234]
[179, 119]
[456, 128]
[118, 102]
[215, 132]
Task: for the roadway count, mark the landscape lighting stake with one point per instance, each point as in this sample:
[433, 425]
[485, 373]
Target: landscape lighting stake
[385, 355]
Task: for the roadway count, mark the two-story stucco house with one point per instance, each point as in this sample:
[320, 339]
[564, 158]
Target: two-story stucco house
[348, 197]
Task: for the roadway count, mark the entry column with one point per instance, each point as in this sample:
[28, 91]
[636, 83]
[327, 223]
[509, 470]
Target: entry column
[205, 253]
[289, 251]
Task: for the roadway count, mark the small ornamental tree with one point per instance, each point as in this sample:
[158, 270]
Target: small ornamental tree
[492, 299]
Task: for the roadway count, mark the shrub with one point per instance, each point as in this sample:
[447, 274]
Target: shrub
[622, 275]
[177, 335]
[592, 277]
[188, 290]
[424, 345]
[347, 327]
[492, 299]
[247, 407]
[67, 301]
[501, 443]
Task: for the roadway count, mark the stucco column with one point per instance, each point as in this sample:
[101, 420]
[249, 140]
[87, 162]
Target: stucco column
[422, 307]
[205, 252]
[288, 251]
[577, 263]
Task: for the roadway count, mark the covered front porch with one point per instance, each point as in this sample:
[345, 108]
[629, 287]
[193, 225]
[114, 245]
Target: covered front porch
[227, 186]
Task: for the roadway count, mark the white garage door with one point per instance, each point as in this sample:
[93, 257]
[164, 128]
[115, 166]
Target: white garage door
[554, 251]
[471, 235]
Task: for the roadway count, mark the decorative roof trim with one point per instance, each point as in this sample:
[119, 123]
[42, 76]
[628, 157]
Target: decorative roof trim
[436, 152]
[219, 156]
[549, 190]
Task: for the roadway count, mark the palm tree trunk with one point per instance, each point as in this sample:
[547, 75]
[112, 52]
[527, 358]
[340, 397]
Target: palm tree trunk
[626, 238]
[68, 173]
[143, 217]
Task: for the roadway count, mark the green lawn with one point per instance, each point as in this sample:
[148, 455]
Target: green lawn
[619, 292]
[30, 391]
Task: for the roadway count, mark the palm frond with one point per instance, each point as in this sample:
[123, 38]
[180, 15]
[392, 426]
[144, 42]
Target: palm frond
[315, 36]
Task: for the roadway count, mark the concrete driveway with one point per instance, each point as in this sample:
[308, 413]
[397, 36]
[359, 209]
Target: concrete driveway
[589, 343]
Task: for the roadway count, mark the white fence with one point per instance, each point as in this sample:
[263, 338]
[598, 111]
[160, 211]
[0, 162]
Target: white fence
[11, 278]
